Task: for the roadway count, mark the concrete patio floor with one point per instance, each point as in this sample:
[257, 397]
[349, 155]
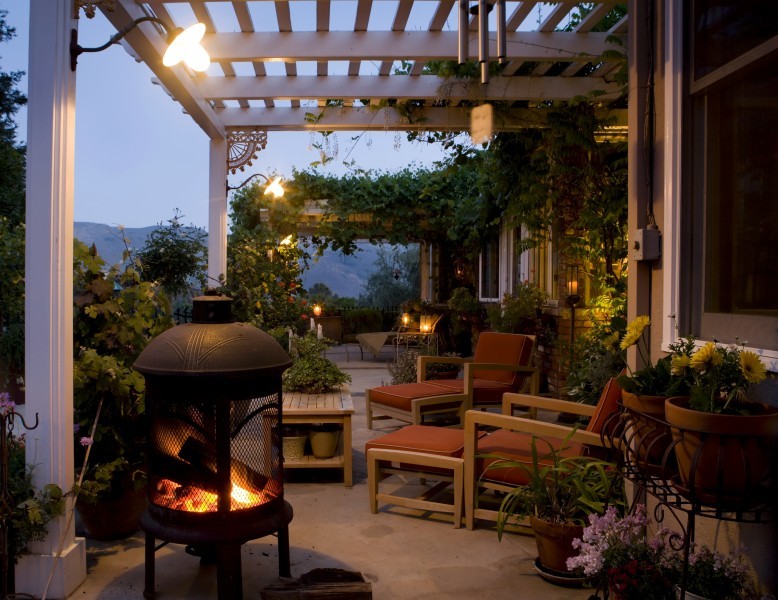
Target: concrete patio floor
[405, 554]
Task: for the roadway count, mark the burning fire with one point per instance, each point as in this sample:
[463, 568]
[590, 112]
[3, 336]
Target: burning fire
[194, 499]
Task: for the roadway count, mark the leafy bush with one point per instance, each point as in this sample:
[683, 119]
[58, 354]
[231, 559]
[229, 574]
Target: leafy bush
[515, 310]
[311, 370]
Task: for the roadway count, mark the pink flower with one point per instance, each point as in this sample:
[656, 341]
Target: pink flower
[86, 441]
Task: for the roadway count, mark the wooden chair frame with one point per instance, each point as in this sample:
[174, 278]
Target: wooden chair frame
[474, 484]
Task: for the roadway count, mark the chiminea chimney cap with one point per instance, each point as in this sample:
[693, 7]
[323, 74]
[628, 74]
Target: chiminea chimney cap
[218, 349]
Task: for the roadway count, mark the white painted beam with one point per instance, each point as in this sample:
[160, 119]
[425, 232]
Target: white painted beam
[366, 119]
[51, 117]
[395, 45]
[150, 45]
[217, 211]
[400, 87]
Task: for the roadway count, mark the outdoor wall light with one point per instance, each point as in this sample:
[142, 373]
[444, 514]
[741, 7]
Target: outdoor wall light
[316, 310]
[274, 186]
[183, 44]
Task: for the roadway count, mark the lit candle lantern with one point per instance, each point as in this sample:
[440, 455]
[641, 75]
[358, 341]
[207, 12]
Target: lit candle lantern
[317, 310]
[426, 323]
[406, 318]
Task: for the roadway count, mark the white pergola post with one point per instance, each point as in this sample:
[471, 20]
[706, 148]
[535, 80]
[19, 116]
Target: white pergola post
[49, 290]
[217, 211]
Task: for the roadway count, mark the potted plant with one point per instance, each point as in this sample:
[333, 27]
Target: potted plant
[712, 575]
[724, 443]
[561, 491]
[405, 367]
[115, 316]
[616, 552]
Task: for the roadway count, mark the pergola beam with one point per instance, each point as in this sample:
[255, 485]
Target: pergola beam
[150, 45]
[427, 87]
[396, 45]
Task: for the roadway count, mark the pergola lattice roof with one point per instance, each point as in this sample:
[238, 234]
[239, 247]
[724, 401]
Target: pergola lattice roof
[277, 63]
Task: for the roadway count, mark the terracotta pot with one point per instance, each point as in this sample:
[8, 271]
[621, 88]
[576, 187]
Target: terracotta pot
[555, 543]
[113, 518]
[648, 435]
[724, 461]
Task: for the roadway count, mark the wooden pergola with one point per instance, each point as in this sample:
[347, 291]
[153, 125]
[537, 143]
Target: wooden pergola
[277, 65]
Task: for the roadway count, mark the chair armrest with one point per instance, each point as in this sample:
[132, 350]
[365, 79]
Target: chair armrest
[510, 400]
[540, 429]
[423, 361]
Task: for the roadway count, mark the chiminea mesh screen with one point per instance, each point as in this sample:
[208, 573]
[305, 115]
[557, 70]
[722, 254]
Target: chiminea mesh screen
[196, 469]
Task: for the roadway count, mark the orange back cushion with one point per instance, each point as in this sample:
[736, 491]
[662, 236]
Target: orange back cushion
[606, 406]
[504, 349]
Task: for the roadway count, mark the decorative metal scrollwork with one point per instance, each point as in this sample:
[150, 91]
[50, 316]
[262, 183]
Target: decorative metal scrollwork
[90, 6]
[243, 147]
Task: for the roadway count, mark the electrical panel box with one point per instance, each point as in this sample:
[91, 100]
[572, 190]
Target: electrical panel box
[645, 244]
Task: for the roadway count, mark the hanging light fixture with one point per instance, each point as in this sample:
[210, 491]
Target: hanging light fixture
[274, 186]
[183, 44]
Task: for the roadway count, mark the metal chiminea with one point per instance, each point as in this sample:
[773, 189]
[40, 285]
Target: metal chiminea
[215, 471]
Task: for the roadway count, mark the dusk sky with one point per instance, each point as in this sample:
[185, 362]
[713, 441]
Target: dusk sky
[138, 157]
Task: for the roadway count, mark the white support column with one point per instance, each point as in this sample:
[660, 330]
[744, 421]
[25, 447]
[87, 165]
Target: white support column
[49, 289]
[217, 211]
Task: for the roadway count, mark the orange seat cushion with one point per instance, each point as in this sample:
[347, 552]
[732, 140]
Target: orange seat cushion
[484, 390]
[517, 447]
[422, 438]
[606, 406]
[400, 396]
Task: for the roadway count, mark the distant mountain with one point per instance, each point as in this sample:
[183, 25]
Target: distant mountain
[346, 276]
[108, 239]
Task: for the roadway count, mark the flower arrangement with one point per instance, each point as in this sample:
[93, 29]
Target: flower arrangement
[311, 370]
[619, 553]
[658, 379]
[616, 551]
[720, 376]
[719, 576]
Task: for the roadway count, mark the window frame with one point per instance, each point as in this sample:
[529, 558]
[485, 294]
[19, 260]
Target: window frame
[676, 288]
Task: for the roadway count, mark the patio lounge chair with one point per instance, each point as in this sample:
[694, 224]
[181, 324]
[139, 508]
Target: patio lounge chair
[455, 457]
[512, 440]
[501, 364]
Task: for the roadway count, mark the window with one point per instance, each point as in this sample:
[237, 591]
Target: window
[489, 272]
[731, 254]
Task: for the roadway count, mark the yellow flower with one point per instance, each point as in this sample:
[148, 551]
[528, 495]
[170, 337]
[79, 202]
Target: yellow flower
[706, 357]
[634, 331]
[751, 366]
[679, 363]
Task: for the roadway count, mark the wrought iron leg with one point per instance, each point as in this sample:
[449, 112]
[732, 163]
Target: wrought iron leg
[229, 579]
[284, 564]
[148, 590]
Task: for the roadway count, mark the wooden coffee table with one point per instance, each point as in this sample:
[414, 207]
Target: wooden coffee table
[307, 409]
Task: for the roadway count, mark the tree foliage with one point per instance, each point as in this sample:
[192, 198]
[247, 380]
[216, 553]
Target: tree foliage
[265, 260]
[395, 279]
[12, 156]
[175, 256]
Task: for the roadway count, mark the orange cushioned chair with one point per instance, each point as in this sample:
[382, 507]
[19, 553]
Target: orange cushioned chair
[501, 364]
[512, 440]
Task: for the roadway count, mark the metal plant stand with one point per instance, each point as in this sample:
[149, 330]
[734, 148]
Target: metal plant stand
[643, 447]
[7, 501]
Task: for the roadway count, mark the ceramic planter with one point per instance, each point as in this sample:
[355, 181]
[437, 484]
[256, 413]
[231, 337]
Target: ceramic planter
[555, 543]
[114, 518]
[724, 461]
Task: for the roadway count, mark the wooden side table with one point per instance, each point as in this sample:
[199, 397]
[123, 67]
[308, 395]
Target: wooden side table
[307, 409]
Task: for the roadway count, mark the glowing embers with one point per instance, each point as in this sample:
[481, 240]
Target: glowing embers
[170, 494]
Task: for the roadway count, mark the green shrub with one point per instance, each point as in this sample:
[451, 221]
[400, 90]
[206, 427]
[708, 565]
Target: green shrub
[311, 370]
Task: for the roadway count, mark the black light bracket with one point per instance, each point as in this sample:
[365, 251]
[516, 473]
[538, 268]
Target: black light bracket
[240, 185]
[76, 50]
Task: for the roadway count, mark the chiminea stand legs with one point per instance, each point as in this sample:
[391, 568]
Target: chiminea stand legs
[229, 578]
